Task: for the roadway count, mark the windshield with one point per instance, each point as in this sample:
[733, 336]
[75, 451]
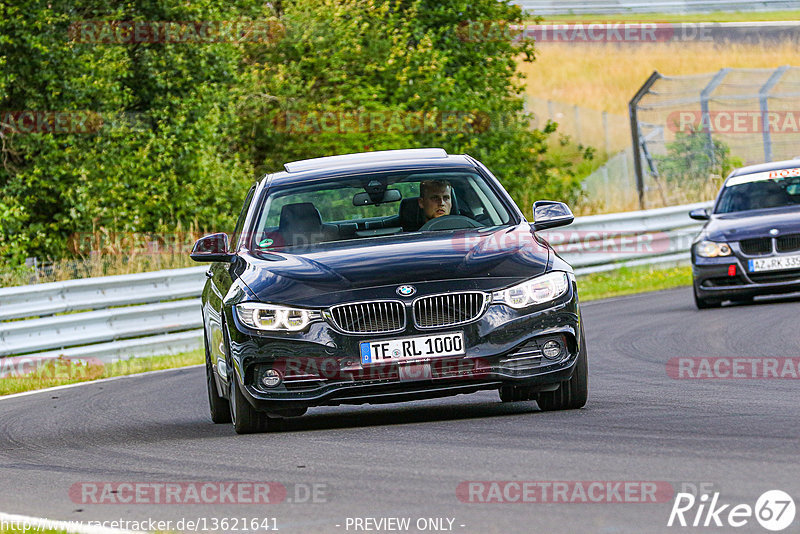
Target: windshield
[762, 190]
[370, 206]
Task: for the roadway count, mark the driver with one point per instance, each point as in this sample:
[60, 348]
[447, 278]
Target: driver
[435, 198]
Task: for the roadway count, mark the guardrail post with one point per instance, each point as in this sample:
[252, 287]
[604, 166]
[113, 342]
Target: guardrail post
[763, 96]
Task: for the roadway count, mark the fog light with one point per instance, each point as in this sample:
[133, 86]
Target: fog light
[552, 350]
[271, 378]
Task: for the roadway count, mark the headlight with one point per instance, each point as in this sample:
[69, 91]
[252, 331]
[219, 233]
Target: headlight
[535, 291]
[275, 318]
[710, 249]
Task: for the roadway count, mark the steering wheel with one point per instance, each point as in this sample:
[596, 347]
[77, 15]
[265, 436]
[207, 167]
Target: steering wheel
[450, 222]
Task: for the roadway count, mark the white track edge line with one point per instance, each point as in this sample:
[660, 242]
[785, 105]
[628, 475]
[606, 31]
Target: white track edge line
[89, 382]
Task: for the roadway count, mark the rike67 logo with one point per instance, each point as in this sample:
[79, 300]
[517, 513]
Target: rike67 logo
[774, 510]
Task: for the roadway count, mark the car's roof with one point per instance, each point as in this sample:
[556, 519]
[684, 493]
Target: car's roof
[367, 162]
[763, 167]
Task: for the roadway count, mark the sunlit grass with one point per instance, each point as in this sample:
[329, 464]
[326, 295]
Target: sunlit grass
[632, 280]
[62, 372]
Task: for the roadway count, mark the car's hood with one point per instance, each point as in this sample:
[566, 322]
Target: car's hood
[306, 277]
[749, 224]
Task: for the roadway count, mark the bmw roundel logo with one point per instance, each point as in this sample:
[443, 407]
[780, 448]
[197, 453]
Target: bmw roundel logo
[406, 291]
[774, 231]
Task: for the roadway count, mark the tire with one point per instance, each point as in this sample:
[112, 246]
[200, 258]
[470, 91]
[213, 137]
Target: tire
[218, 406]
[704, 304]
[246, 419]
[573, 393]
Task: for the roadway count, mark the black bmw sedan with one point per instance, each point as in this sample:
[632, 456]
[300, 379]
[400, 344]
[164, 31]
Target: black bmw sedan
[386, 277]
[751, 243]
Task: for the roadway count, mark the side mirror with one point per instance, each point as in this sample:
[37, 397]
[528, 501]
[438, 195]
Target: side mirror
[549, 214]
[700, 214]
[212, 247]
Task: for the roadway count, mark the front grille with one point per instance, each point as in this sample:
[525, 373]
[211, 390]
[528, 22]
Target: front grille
[789, 243]
[449, 309]
[775, 276]
[374, 317]
[752, 247]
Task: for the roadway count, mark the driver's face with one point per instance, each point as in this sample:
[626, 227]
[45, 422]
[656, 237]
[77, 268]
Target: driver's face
[436, 202]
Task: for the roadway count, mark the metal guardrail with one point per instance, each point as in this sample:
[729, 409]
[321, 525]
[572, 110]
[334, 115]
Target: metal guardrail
[599, 243]
[600, 7]
[99, 293]
[118, 317]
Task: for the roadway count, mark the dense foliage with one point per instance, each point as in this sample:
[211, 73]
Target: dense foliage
[178, 129]
[694, 160]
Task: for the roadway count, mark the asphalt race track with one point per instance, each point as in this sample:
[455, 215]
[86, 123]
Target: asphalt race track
[736, 437]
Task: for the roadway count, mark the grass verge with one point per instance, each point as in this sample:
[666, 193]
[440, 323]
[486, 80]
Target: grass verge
[62, 372]
[632, 280]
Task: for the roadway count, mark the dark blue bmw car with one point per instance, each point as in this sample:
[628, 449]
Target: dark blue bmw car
[386, 277]
[751, 243]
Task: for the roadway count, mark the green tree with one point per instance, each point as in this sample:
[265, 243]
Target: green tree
[399, 56]
[695, 161]
[182, 127]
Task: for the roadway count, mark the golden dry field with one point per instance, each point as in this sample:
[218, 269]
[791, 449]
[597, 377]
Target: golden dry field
[605, 76]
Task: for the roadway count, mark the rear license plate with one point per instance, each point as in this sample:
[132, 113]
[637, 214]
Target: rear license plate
[412, 348]
[774, 264]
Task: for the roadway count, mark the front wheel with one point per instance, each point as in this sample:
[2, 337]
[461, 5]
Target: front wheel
[705, 304]
[246, 419]
[572, 393]
[218, 406]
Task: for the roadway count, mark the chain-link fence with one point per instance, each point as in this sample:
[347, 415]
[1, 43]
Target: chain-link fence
[692, 130]
[603, 131]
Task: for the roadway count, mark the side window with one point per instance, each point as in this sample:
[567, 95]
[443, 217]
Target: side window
[237, 231]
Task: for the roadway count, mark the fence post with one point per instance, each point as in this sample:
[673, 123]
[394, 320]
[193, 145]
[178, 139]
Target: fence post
[705, 94]
[637, 141]
[763, 96]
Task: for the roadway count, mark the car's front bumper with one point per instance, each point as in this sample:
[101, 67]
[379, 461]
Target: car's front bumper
[713, 279]
[322, 366]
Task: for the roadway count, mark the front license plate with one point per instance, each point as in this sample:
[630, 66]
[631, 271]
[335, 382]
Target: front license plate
[412, 348]
[774, 264]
